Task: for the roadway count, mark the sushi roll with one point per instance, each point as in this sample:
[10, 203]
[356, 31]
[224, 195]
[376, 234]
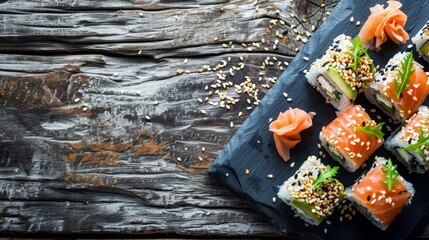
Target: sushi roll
[343, 72]
[421, 40]
[352, 137]
[313, 192]
[410, 143]
[400, 88]
[381, 194]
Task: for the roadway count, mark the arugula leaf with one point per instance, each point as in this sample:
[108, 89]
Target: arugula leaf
[390, 174]
[404, 72]
[358, 52]
[372, 131]
[417, 147]
[325, 176]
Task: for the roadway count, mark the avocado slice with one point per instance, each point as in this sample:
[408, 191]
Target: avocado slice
[335, 77]
[425, 48]
[385, 103]
[306, 208]
[337, 155]
[405, 155]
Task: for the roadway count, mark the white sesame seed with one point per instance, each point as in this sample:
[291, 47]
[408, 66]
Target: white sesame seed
[226, 174]
[352, 19]
[274, 199]
[147, 117]
[76, 100]
[306, 59]
[357, 23]
[203, 111]
[115, 74]
[285, 95]
[410, 46]
[231, 124]
[179, 159]
[292, 164]
[270, 176]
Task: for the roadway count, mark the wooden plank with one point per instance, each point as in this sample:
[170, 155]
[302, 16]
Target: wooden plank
[99, 130]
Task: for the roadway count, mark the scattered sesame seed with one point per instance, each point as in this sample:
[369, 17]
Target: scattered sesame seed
[247, 171]
[352, 19]
[179, 159]
[306, 59]
[274, 199]
[141, 14]
[76, 100]
[85, 109]
[140, 52]
[231, 124]
[357, 23]
[410, 46]
[292, 164]
[227, 174]
[208, 213]
[270, 176]
[147, 117]
[115, 74]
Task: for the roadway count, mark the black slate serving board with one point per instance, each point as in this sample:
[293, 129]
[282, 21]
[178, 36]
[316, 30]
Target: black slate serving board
[252, 147]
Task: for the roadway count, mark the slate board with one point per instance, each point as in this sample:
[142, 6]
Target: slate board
[252, 147]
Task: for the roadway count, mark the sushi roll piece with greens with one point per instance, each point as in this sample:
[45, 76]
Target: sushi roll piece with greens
[313, 192]
[352, 137]
[400, 88]
[342, 72]
[410, 144]
[381, 194]
[421, 40]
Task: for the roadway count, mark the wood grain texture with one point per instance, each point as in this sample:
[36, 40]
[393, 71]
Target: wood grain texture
[101, 129]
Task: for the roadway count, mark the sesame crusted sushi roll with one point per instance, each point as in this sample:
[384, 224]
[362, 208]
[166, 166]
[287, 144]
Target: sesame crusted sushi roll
[421, 40]
[343, 72]
[411, 142]
[352, 137]
[313, 192]
[400, 88]
[381, 194]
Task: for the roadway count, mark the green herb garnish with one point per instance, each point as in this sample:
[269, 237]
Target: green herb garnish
[325, 176]
[405, 72]
[417, 147]
[390, 174]
[372, 131]
[358, 53]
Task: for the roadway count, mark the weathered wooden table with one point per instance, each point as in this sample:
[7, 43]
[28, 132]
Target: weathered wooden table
[111, 111]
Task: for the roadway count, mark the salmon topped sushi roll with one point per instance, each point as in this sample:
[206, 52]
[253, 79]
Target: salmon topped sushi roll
[381, 194]
[343, 72]
[352, 137]
[400, 88]
[313, 192]
[410, 143]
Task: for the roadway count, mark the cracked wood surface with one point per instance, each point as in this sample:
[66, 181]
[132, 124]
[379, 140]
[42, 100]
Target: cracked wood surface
[106, 123]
